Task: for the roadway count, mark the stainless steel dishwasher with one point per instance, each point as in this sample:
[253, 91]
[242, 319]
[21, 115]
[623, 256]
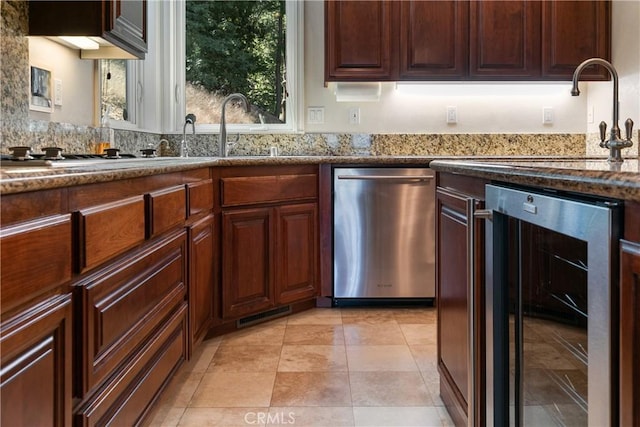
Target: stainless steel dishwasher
[383, 234]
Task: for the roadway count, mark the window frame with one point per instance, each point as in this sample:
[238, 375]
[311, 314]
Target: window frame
[295, 81]
[157, 83]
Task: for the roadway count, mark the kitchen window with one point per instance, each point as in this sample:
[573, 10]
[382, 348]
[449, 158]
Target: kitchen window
[250, 47]
[158, 92]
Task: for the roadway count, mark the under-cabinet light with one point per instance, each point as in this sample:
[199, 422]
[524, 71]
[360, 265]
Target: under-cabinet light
[484, 89]
[81, 42]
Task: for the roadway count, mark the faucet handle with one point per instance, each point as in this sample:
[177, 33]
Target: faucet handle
[603, 133]
[628, 127]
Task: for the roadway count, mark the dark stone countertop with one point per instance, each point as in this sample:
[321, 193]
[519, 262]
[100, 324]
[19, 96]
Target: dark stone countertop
[592, 175]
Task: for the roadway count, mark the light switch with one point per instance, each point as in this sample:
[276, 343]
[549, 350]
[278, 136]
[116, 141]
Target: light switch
[547, 115]
[57, 92]
[315, 115]
[452, 114]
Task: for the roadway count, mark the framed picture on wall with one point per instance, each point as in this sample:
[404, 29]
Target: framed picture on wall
[41, 92]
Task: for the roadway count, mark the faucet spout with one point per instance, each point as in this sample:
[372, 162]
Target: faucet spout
[222, 137]
[615, 142]
[190, 119]
[614, 75]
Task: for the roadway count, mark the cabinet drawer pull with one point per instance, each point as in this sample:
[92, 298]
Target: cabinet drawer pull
[385, 178]
[483, 214]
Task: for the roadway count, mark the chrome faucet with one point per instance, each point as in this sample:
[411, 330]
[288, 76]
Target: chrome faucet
[222, 138]
[189, 120]
[615, 143]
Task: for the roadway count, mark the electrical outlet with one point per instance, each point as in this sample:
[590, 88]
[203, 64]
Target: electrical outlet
[590, 114]
[354, 115]
[452, 114]
[315, 115]
[547, 115]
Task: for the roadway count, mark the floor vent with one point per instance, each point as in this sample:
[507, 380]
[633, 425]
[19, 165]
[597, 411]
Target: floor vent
[263, 317]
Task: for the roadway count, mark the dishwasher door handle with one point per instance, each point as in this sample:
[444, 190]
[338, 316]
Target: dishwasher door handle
[386, 177]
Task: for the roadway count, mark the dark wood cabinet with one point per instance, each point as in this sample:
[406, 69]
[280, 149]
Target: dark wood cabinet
[433, 39]
[296, 253]
[460, 294]
[130, 393]
[36, 373]
[629, 334]
[202, 282]
[573, 31]
[629, 375]
[122, 304]
[96, 344]
[36, 336]
[504, 39]
[108, 229]
[248, 248]
[122, 23]
[269, 238]
[269, 257]
[35, 259]
[359, 40]
[464, 40]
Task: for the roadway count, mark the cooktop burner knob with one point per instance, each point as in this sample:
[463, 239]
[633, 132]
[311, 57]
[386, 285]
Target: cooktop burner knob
[53, 153]
[148, 152]
[21, 153]
[113, 153]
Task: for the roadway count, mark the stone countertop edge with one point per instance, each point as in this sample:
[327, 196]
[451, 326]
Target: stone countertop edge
[25, 179]
[556, 174]
[18, 180]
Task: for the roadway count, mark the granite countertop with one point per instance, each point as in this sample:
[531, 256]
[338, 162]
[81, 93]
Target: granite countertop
[591, 175]
[31, 178]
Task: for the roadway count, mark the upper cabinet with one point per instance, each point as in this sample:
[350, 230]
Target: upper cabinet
[358, 40]
[504, 40]
[573, 31]
[433, 39]
[464, 40]
[119, 26]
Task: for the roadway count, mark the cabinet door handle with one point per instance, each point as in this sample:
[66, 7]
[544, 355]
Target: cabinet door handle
[483, 214]
[385, 177]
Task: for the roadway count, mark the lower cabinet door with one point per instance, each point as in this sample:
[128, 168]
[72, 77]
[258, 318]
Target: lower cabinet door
[35, 385]
[629, 334]
[296, 254]
[201, 277]
[247, 251]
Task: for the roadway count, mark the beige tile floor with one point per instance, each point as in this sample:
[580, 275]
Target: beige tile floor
[323, 367]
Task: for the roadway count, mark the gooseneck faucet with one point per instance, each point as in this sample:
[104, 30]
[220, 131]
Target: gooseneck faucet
[189, 120]
[222, 138]
[615, 143]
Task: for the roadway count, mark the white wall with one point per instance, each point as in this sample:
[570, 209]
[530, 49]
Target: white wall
[397, 112]
[483, 112]
[625, 57]
[77, 81]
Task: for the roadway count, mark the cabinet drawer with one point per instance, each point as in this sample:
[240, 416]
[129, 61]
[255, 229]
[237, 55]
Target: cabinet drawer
[124, 303]
[107, 230]
[35, 257]
[166, 208]
[200, 196]
[126, 399]
[265, 189]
